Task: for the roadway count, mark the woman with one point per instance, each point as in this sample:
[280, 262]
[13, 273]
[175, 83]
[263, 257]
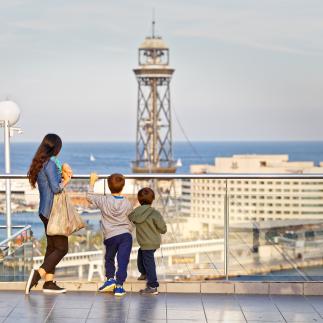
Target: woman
[46, 171]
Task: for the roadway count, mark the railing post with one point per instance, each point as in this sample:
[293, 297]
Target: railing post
[226, 231]
[8, 180]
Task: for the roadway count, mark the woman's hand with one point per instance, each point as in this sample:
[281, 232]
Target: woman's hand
[67, 170]
[67, 173]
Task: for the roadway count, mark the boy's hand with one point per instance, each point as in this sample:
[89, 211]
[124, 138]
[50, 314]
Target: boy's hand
[93, 178]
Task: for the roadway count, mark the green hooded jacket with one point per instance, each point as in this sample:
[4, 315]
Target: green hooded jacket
[149, 225]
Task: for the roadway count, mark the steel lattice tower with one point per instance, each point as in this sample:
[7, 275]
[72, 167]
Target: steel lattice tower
[154, 146]
[154, 151]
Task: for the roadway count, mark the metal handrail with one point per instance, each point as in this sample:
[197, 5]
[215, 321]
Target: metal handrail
[190, 176]
[18, 233]
[13, 226]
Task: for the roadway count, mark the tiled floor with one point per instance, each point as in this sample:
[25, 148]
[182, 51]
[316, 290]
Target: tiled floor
[174, 308]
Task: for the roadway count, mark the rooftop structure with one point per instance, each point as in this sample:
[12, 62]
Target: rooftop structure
[255, 164]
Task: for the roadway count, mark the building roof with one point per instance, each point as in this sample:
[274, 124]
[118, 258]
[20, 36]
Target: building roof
[261, 164]
[153, 42]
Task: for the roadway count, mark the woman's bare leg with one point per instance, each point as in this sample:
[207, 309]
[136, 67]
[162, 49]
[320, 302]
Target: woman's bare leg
[42, 272]
[49, 277]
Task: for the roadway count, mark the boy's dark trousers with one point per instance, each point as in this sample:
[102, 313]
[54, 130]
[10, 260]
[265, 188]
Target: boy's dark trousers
[119, 245]
[146, 266]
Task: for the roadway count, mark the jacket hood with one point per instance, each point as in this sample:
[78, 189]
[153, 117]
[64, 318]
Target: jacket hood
[141, 213]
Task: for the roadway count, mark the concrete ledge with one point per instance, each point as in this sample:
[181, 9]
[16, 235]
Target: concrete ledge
[251, 288]
[210, 287]
[12, 285]
[217, 288]
[183, 287]
[286, 288]
[313, 288]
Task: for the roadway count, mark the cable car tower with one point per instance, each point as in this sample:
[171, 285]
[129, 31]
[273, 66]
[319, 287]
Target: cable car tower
[154, 151]
[154, 146]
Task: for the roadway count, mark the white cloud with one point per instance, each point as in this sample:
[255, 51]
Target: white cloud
[273, 30]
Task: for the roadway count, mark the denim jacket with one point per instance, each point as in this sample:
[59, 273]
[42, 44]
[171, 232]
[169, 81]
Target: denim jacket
[49, 183]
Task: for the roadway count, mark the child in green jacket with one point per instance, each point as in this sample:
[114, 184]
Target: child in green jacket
[149, 226]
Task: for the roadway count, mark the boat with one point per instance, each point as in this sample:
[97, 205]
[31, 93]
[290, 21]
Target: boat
[179, 163]
[92, 158]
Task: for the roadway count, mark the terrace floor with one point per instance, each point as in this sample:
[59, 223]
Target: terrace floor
[174, 308]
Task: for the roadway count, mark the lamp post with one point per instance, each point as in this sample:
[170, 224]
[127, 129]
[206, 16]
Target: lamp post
[9, 115]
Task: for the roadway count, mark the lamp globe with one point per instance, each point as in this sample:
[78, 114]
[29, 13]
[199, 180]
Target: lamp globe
[9, 111]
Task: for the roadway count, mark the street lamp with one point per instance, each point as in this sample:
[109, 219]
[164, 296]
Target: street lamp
[9, 115]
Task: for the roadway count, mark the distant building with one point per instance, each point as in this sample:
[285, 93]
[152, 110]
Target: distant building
[252, 199]
[22, 193]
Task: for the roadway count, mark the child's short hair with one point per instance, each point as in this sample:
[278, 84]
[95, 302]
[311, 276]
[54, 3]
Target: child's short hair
[146, 196]
[116, 183]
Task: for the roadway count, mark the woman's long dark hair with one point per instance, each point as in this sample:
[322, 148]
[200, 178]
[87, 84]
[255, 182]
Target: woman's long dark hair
[50, 146]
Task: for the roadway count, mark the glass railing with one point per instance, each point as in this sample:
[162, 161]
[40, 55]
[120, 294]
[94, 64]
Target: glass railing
[276, 228]
[16, 254]
[230, 226]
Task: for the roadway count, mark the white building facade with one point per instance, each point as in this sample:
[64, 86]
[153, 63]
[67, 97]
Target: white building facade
[252, 199]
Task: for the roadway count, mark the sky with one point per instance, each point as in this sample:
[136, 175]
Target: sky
[244, 69]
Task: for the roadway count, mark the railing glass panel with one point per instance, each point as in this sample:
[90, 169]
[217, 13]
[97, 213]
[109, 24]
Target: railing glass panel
[16, 255]
[259, 227]
[276, 229]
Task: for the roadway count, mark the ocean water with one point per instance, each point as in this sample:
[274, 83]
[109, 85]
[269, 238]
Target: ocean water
[117, 157]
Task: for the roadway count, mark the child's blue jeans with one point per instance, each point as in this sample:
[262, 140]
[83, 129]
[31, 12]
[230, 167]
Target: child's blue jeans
[146, 266]
[119, 246]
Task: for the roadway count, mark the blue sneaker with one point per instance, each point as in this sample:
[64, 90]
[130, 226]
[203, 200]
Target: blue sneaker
[119, 291]
[108, 286]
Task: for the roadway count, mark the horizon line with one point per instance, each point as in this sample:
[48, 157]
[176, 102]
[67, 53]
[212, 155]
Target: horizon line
[182, 141]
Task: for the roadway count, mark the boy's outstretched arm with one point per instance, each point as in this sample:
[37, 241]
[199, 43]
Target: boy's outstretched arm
[95, 199]
[160, 224]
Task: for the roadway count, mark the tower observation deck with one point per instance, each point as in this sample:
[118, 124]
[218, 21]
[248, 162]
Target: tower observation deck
[154, 151]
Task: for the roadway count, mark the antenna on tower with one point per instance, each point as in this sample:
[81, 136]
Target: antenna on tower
[153, 24]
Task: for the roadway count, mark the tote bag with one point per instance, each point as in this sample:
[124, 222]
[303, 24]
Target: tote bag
[63, 219]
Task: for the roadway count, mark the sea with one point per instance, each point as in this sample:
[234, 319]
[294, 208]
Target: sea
[112, 157]
[117, 156]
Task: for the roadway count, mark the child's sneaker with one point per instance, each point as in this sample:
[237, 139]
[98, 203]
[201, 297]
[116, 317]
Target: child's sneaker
[119, 291]
[108, 286]
[142, 277]
[149, 291]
